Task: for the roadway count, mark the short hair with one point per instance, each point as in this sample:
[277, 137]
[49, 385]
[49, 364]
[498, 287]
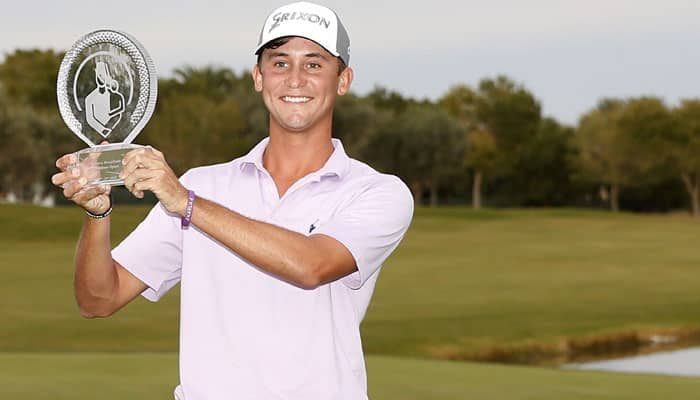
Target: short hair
[279, 42]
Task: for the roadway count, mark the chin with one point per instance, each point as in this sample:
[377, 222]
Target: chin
[296, 129]
[296, 125]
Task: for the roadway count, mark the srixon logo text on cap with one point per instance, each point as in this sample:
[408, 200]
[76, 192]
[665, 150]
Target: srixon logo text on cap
[296, 16]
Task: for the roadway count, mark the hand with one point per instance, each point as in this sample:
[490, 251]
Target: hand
[146, 169]
[94, 199]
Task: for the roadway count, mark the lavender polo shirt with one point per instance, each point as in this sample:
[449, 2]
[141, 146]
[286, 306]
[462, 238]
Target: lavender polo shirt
[245, 334]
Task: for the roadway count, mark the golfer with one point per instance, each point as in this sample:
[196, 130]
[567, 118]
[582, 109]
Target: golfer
[276, 252]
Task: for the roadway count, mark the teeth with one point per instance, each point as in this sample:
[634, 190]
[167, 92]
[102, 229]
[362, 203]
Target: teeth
[296, 99]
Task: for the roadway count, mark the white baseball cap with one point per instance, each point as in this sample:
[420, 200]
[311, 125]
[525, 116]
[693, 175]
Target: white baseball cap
[310, 21]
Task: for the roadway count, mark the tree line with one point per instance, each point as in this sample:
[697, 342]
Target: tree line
[484, 145]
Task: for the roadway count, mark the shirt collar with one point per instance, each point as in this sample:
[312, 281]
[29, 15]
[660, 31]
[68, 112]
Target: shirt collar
[254, 156]
[337, 164]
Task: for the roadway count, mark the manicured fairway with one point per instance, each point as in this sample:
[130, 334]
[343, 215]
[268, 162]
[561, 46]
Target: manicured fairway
[463, 281]
[462, 284]
[88, 376]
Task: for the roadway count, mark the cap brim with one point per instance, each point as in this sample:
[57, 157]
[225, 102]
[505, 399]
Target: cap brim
[260, 47]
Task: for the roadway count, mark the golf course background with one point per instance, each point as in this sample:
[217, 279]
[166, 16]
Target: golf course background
[528, 287]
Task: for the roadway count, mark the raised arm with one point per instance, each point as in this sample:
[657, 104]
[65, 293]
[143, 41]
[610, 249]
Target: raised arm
[303, 261]
[101, 285]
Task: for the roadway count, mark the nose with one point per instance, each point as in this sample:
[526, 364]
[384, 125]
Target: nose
[295, 77]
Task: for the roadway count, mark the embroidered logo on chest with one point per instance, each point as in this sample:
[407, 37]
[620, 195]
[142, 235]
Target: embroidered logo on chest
[313, 226]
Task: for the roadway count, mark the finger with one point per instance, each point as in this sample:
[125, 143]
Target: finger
[88, 193]
[128, 157]
[92, 199]
[137, 176]
[94, 156]
[134, 190]
[141, 161]
[142, 180]
[61, 178]
[74, 186]
[69, 189]
[157, 152]
[144, 153]
[141, 186]
[131, 164]
[65, 161]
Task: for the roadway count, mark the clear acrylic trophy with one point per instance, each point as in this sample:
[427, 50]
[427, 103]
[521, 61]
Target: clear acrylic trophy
[107, 89]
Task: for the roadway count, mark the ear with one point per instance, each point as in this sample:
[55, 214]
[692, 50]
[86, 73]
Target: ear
[345, 80]
[257, 78]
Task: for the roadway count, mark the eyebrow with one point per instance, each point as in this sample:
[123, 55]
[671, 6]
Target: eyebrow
[315, 55]
[308, 55]
[277, 54]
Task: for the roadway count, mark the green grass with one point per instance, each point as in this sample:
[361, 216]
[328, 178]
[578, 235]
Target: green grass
[469, 280]
[83, 376]
[463, 282]
[36, 300]
[73, 376]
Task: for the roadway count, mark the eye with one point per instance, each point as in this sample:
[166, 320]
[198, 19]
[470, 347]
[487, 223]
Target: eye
[280, 64]
[314, 65]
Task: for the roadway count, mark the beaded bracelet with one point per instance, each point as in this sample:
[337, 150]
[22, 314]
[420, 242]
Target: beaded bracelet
[187, 218]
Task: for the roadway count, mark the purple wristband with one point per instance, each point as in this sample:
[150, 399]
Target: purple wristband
[187, 218]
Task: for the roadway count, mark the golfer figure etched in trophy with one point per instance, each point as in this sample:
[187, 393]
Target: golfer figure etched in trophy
[107, 89]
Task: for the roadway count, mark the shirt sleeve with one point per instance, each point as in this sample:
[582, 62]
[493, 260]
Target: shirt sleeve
[371, 226]
[153, 252]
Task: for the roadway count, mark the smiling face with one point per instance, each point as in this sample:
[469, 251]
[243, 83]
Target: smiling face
[299, 81]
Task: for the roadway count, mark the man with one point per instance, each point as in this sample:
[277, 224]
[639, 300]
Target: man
[285, 244]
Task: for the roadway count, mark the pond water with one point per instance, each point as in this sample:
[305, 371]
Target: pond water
[684, 362]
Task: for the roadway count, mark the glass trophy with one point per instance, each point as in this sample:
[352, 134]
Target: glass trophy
[107, 88]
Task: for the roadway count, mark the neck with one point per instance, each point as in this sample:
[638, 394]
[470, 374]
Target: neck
[289, 156]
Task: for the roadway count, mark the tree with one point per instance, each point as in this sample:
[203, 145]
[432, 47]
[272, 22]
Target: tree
[218, 84]
[31, 142]
[29, 77]
[193, 130]
[545, 167]
[481, 150]
[481, 156]
[509, 111]
[604, 154]
[424, 146]
[648, 123]
[460, 102]
[388, 100]
[354, 119]
[498, 119]
[33, 134]
[684, 149]
[205, 115]
[615, 141]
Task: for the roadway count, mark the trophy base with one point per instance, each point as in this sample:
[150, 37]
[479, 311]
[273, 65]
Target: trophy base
[102, 164]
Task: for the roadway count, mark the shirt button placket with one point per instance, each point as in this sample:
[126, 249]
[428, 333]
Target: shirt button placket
[271, 198]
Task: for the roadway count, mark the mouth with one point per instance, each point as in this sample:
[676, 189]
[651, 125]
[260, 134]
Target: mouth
[296, 99]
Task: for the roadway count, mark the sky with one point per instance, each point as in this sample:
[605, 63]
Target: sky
[568, 53]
